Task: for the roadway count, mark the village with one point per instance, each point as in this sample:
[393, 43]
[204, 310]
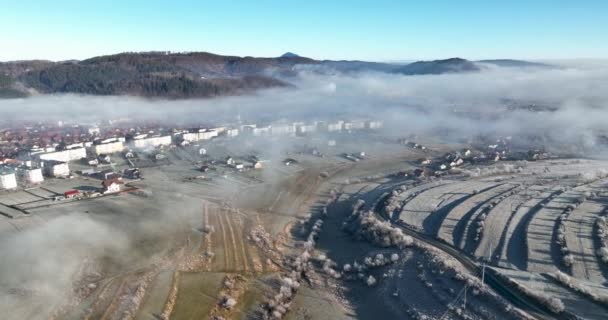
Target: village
[31, 154]
[227, 211]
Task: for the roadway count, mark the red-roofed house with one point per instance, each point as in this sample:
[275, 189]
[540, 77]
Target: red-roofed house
[71, 194]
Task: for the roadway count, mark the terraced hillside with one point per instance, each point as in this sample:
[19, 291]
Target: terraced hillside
[511, 221]
[539, 225]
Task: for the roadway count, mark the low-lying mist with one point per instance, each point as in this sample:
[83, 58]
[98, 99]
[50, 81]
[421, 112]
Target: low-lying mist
[569, 103]
[565, 106]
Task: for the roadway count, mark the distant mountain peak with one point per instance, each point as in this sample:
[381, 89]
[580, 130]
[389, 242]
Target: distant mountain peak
[289, 55]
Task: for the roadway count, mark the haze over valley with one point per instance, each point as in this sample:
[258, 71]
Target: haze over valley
[420, 161]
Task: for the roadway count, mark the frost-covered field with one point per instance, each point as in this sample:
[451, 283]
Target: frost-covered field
[535, 219]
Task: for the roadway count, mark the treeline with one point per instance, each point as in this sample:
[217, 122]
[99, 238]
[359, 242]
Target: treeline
[150, 80]
[7, 89]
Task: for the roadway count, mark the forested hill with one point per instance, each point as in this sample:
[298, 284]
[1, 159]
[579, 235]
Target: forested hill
[187, 75]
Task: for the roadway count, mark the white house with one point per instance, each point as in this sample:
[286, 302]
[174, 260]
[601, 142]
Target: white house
[111, 185]
[56, 169]
[31, 175]
[8, 180]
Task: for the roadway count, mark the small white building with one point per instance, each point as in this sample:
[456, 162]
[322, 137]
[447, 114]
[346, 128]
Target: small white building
[283, 129]
[111, 185]
[261, 131]
[31, 175]
[56, 169]
[94, 130]
[373, 124]
[65, 155]
[335, 126]
[108, 147]
[302, 128]
[354, 125]
[8, 180]
[145, 141]
[232, 132]
[202, 134]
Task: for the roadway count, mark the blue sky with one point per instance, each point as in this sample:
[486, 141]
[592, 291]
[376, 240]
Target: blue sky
[379, 30]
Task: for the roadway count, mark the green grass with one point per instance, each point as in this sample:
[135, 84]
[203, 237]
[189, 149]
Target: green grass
[197, 295]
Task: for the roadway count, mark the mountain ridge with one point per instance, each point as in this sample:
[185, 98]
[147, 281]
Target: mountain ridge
[196, 74]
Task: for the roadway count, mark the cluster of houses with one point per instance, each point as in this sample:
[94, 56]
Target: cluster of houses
[108, 186]
[14, 173]
[29, 154]
[305, 128]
